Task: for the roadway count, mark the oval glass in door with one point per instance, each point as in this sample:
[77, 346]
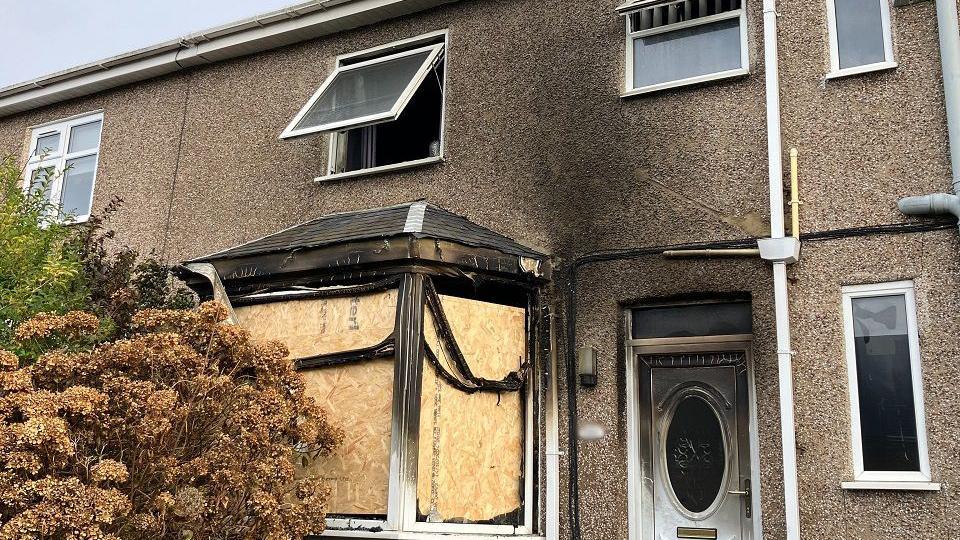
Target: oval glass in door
[695, 453]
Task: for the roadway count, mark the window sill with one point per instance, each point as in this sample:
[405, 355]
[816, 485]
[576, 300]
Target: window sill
[740, 72]
[379, 170]
[890, 485]
[869, 68]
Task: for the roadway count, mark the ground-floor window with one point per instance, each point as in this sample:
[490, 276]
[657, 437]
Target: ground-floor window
[886, 394]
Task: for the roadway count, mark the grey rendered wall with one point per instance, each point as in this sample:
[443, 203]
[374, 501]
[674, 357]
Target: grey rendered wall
[540, 146]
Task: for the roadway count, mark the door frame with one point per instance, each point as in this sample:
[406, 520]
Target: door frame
[637, 432]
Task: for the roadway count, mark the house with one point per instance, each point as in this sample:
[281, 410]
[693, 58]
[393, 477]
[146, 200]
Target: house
[545, 256]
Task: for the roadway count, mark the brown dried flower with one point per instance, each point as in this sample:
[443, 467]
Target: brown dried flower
[72, 325]
[184, 430]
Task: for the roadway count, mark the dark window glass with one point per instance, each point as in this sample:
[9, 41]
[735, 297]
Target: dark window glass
[692, 320]
[888, 420]
[696, 459]
[414, 135]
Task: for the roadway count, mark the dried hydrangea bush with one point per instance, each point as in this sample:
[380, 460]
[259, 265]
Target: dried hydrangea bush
[184, 430]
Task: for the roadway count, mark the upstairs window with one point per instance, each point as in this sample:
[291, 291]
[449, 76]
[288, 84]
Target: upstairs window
[886, 391]
[679, 42]
[383, 108]
[63, 163]
[860, 37]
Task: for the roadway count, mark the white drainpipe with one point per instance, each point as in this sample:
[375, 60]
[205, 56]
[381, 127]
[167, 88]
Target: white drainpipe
[949, 31]
[780, 250]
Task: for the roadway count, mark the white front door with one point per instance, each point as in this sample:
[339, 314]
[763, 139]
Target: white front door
[695, 451]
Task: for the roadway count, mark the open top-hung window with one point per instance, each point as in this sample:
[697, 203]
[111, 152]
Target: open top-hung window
[383, 108]
[678, 42]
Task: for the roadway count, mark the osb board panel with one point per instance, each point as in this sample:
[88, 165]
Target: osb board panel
[359, 397]
[471, 445]
[471, 453]
[323, 325]
[492, 337]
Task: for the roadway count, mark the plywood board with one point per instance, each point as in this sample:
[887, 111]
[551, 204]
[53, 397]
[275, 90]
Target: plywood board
[492, 337]
[471, 445]
[315, 326]
[359, 397]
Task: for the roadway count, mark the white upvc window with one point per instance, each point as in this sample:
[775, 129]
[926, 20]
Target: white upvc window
[860, 37]
[63, 162]
[674, 43]
[889, 437]
[383, 108]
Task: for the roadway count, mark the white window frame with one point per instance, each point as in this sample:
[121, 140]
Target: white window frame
[58, 157]
[434, 52]
[896, 288]
[331, 172]
[888, 60]
[744, 69]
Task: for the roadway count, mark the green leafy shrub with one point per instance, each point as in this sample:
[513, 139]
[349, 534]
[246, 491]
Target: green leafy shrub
[40, 270]
[48, 265]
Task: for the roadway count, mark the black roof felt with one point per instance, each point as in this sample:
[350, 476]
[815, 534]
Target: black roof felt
[419, 219]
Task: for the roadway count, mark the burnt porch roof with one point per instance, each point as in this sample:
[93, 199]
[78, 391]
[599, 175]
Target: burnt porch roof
[417, 219]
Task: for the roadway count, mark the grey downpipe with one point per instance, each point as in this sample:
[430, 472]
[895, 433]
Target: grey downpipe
[948, 29]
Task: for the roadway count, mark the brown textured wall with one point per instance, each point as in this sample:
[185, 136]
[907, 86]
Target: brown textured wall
[540, 146]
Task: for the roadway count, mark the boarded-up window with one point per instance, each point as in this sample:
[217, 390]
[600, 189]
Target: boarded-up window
[358, 395]
[471, 444]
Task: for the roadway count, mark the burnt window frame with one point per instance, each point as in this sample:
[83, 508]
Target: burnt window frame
[401, 519]
[872, 479]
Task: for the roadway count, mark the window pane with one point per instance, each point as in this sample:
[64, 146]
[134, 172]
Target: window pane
[84, 137]
[692, 320]
[859, 32]
[681, 54]
[47, 144]
[364, 91]
[888, 422]
[77, 193]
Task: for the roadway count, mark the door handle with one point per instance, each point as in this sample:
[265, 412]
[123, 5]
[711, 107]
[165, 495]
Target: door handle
[746, 494]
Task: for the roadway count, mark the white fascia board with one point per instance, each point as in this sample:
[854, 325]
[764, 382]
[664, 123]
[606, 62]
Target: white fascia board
[221, 43]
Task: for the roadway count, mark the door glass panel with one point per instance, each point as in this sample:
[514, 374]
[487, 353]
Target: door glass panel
[888, 417]
[692, 320]
[695, 454]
